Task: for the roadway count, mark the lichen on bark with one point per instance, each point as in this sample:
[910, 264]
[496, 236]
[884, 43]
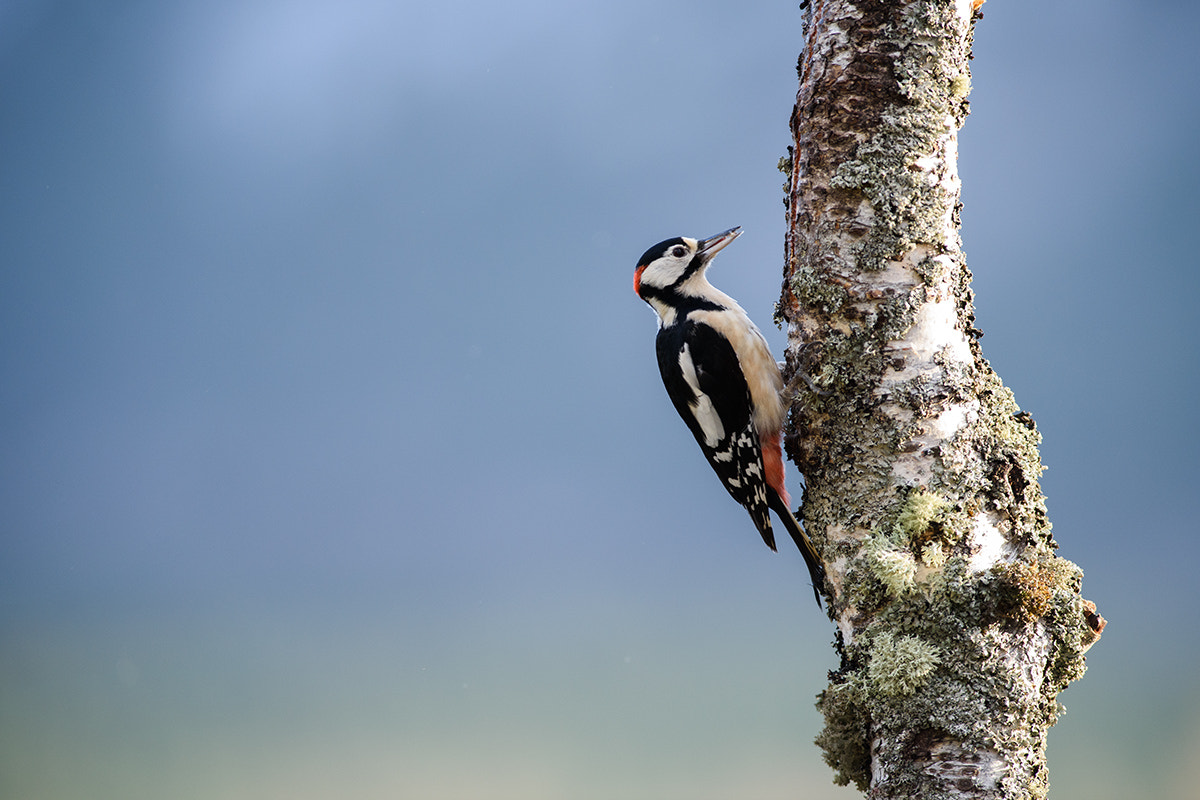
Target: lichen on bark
[957, 624]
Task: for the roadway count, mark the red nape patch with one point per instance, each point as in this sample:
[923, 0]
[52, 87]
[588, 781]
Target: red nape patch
[637, 280]
[772, 452]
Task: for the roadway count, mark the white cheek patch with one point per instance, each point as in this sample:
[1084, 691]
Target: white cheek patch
[663, 272]
[702, 409]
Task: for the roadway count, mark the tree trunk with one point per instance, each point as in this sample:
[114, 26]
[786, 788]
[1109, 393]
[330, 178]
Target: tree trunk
[957, 624]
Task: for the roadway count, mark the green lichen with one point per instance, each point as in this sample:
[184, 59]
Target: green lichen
[816, 293]
[846, 739]
[933, 555]
[1072, 636]
[895, 568]
[918, 513]
[908, 209]
[915, 539]
[1007, 442]
[932, 271]
[901, 664]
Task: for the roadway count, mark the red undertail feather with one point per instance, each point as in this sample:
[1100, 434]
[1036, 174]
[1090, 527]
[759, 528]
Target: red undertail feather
[772, 452]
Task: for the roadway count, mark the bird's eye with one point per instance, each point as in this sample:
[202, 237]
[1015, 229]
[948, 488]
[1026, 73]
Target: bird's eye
[679, 251]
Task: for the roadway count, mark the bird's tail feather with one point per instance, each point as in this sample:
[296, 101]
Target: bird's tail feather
[816, 569]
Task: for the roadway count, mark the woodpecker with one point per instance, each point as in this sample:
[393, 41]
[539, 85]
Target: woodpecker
[723, 381]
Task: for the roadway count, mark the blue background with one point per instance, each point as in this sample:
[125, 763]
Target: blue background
[335, 459]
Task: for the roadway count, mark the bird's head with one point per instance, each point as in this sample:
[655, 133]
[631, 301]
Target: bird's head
[670, 263]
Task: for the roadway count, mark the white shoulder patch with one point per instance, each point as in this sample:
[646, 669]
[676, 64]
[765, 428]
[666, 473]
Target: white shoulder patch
[754, 356]
[702, 409]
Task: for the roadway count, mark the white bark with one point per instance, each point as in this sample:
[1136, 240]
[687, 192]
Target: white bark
[958, 624]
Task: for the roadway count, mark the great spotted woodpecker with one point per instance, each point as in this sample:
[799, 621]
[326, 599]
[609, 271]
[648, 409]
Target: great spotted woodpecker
[723, 381]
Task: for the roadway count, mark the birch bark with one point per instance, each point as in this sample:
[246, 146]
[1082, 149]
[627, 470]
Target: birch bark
[957, 624]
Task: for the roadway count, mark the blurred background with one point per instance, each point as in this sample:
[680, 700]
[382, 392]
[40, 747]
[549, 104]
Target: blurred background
[335, 458]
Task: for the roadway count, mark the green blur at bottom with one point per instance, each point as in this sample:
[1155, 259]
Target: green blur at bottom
[485, 706]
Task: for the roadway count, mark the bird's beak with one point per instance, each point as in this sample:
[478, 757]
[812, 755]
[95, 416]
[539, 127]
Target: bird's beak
[712, 245]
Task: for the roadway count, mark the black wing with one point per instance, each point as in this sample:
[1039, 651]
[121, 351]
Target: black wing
[705, 382]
